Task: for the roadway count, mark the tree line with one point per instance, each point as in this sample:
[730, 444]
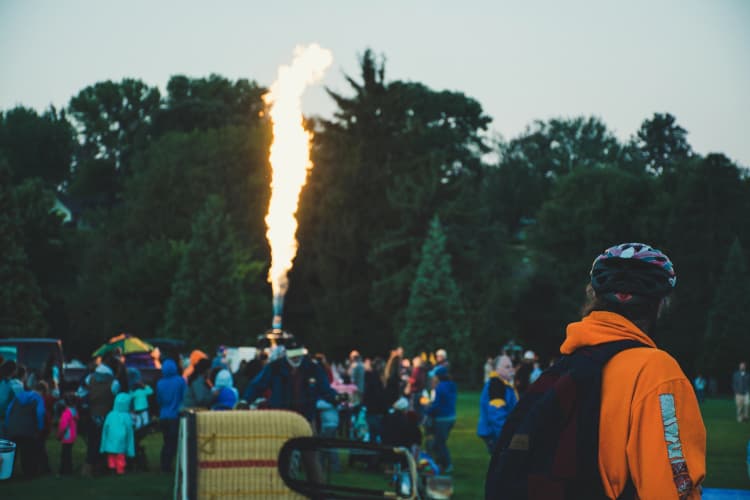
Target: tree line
[415, 227]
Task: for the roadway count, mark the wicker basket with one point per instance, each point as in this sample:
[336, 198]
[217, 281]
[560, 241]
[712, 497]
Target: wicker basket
[233, 454]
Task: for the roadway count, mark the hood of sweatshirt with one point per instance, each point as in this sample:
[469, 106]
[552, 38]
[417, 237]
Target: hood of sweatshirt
[224, 379]
[16, 386]
[600, 327]
[196, 356]
[169, 368]
[122, 402]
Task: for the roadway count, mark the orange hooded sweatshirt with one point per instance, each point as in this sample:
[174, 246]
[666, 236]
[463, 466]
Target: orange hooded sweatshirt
[195, 356]
[650, 427]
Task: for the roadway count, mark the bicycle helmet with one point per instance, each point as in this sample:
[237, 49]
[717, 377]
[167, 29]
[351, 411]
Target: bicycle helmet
[631, 273]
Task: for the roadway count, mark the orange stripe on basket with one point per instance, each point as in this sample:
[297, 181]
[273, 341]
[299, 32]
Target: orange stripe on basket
[228, 464]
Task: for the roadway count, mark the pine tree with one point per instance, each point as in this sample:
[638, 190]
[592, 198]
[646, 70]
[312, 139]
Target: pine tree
[21, 303]
[206, 302]
[435, 316]
[728, 330]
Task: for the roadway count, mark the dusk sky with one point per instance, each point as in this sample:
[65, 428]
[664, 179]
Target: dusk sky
[620, 61]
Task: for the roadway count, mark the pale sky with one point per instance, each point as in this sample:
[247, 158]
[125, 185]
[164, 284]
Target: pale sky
[619, 60]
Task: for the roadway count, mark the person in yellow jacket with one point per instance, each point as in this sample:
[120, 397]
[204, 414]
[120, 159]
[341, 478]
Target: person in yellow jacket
[651, 435]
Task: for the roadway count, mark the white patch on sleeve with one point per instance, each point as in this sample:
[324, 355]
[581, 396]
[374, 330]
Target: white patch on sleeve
[680, 474]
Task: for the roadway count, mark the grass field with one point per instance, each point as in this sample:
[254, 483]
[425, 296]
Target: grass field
[725, 462]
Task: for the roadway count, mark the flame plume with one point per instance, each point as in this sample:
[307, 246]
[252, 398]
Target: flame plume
[290, 161]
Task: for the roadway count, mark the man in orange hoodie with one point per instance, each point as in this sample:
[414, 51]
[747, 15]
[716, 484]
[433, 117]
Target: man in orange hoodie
[651, 436]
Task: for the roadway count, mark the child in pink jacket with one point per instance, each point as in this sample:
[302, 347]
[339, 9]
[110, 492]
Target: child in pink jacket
[67, 432]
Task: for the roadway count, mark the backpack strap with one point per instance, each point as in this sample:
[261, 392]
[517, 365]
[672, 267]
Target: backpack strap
[602, 353]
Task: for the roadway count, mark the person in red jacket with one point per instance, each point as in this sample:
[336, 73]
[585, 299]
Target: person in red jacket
[651, 437]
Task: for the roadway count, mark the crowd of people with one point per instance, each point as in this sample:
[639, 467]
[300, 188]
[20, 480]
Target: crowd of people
[394, 400]
[391, 401]
[405, 401]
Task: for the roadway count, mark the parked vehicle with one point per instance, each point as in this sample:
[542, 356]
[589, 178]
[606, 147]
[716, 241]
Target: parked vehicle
[36, 354]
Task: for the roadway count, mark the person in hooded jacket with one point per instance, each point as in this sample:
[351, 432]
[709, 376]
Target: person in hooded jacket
[198, 393]
[170, 391]
[140, 393]
[24, 424]
[102, 387]
[67, 432]
[195, 357]
[118, 435]
[651, 433]
[226, 395]
[442, 411]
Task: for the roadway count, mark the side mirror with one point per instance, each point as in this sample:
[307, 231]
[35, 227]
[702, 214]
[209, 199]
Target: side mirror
[333, 468]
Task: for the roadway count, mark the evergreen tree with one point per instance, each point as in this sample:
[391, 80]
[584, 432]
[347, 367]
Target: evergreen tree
[206, 302]
[435, 316]
[411, 152]
[728, 330]
[21, 303]
[702, 218]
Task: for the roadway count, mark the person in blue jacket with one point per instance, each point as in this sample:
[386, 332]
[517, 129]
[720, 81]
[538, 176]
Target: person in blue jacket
[24, 424]
[442, 411]
[296, 383]
[226, 394]
[169, 393]
[498, 399]
[118, 434]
